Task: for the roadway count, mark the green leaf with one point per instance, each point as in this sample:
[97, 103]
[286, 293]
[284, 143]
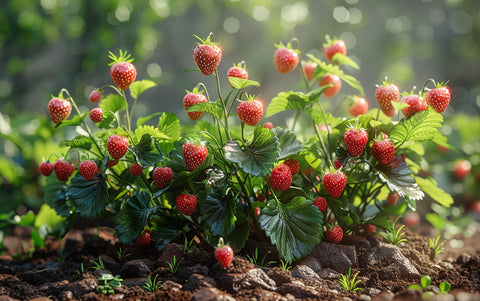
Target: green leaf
[444, 287]
[288, 143]
[48, 216]
[382, 218]
[213, 108]
[218, 212]
[108, 119]
[430, 187]
[134, 216]
[291, 100]
[138, 87]
[437, 221]
[76, 120]
[419, 127]
[426, 281]
[399, 105]
[169, 125]
[257, 157]
[341, 59]
[112, 103]
[240, 83]
[295, 228]
[88, 197]
[402, 181]
[54, 195]
[82, 142]
[142, 120]
[319, 115]
[165, 230]
[415, 287]
[239, 236]
[145, 152]
[150, 130]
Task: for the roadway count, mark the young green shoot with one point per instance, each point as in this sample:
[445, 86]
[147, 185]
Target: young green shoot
[257, 261]
[107, 284]
[151, 285]
[98, 265]
[174, 265]
[285, 265]
[349, 282]
[395, 237]
[188, 246]
[436, 246]
[122, 255]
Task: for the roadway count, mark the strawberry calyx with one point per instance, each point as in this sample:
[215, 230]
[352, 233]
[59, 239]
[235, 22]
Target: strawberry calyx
[242, 65]
[123, 57]
[196, 90]
[221, 243]
[210, 40]
[288, 46]
[330, 40]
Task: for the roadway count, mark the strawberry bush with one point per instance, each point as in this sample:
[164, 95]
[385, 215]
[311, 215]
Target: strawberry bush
[231, 178]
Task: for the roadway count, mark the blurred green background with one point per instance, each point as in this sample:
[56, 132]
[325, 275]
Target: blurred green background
[47, 45]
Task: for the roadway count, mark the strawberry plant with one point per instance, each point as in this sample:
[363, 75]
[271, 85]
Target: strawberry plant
[231, 178]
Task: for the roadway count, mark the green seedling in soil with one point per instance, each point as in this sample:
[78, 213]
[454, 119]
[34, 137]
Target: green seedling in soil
[152, 285]
[61, 256]
[436, 246]
[107, 283]
[257, 261]
[188, 246]
[122, 254]
[174, 265]
[79, 273]
[285, 265]
[349, 281]
[425, 282]
[394, 237]
[98, 265]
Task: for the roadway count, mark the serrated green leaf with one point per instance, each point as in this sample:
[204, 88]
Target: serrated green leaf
[319, 115]
[240, 83]
[142, 120]
[108, 119]
[399, 105]
[291, 100]
[166, 230]
[82, 142]
[145, 152]
[257, 157]
[76, 120]
[213, 108]
[134, 216]
[295, 228]
[420, 127]
[218, 212]
[150, 130]
[112, 103]
[288, 143]
[239, 236]
[54, 195]
[402, 181]
[138, 87]
[169, 125]
[88, 197]
[341, 59]
[430, 187]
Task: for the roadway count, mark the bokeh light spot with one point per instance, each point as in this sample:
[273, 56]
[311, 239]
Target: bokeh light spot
[5, 88]
[161, 8]
[149, 42]
[261, 13]
[48, 4]
[350, 39]
[341, 14]
[460, 22]
[122, 13]
[356, 15]
[154, 70]
[231, 25]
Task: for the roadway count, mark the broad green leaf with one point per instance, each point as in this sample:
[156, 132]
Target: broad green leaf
[430, 187]
[426, 281]
[108, 119]
[399, 105]
[291, 100]
[319, 116]
[444, 287]
[382, 218]
[419, 127]
[402, 181]
[134, 216]
[28, 219]
[169, 125]
[47, 215]
[142, 120]
[258, 156]
[437, 221]
[218, 212]
[165, 230]
[295, 228]
[112, 103]
[341, 59]
[88, 197]
[76, 120]
[216, 177]
[54, 195]
[150, 130]
[213, 108]
[240, 83]
[138, 87]
[288, 143]
[145, 151]
[82, 142]
[238, 237]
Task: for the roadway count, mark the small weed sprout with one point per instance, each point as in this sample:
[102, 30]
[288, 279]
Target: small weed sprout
[174, 265]
[257, 261]
[98, 265]
[188, 246]
[285, 265]
[107, 283]
[425, 282]
[79, 273]
[436, 246]
[349, 282]
[122, 255]
[151, 285]
[395, 237]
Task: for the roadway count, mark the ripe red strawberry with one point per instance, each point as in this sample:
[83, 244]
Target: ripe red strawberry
[238, 71]
[162, 176]
[258, 211]
[383, 151]
[330, 79]
[143, 240]
[192, 98]
[250, 112]
[59, 109]
[416, 104]
[355, 139]
[438, 99]
[309, 68]
[46, 168]
[111, 163]
[285, 58]
[337, 164]
[396, 160]
[390, 112]
[321, 203]
[411, 219]
[136, 169]
[392, 198]
[95, 96]
[63, 169]
[385, 95]
[293, 164]
[369, 229]
[335, 183]
[268, 125]
[261, 198]
[87, 169]
[207, 55]
[280, 178]
[335, 234]
[186, 203]
[122, 70]
[223, 253]
[359, 106]
[96, 114]
[117, 146]
[333, 47]
[462, 168]
[194, 154]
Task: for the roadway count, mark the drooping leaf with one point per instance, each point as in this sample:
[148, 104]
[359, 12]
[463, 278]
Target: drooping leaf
[108, 119]
[240, 83]
[218, 212]
[402, 181]
[341, 59]
[291, 100]
[82, 142]
[145, 151]
[88, 197]
[288, 143]
[165, 230]
[76, 120]
[213, 108]
[134, 216]
[420, 127]
[112, 103]
[169, 125]
[138, 87]
[47, 215]
[54, 195]
[430, 187]
[216, 177]
[238, 237]
[295, 228]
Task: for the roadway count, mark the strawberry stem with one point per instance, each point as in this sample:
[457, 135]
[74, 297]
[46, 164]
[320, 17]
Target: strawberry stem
[425, 85]
[229, 137]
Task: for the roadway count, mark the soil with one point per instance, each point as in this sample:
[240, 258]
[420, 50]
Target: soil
[45, 273]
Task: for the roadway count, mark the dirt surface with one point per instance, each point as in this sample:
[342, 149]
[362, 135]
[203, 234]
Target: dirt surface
[45, 273]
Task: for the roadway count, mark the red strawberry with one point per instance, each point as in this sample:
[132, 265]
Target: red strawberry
[258, 211]
[117, 146]
[285, 59]
[186, 203]
[355, 139]
[59, 109]
[335, 183]
[390, 112]
[309, 68]
[438, 99]
[96, 114]
[385, 95]
[207, 55]
[143, 240]
[122, 71]
[396, 160]
[261, 198]
[461, 169]
[358, 107]
[392, 198]
[238, 71]
[383, 151]
[136, 169]
[192, 98]
[416, 104]
[46, 168]
[330, 79]
[250, 112]
[87, 169]
[333, 47]
[293, 164]
[320, 203]
[162, 176]
[369, 229]
[63, 169]
[337, 164]
[411, 219]
[111, 163]
[95, 96]
[268, 125]
[280, 178]
[194, 154]
[224, 254]
[335, 234]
